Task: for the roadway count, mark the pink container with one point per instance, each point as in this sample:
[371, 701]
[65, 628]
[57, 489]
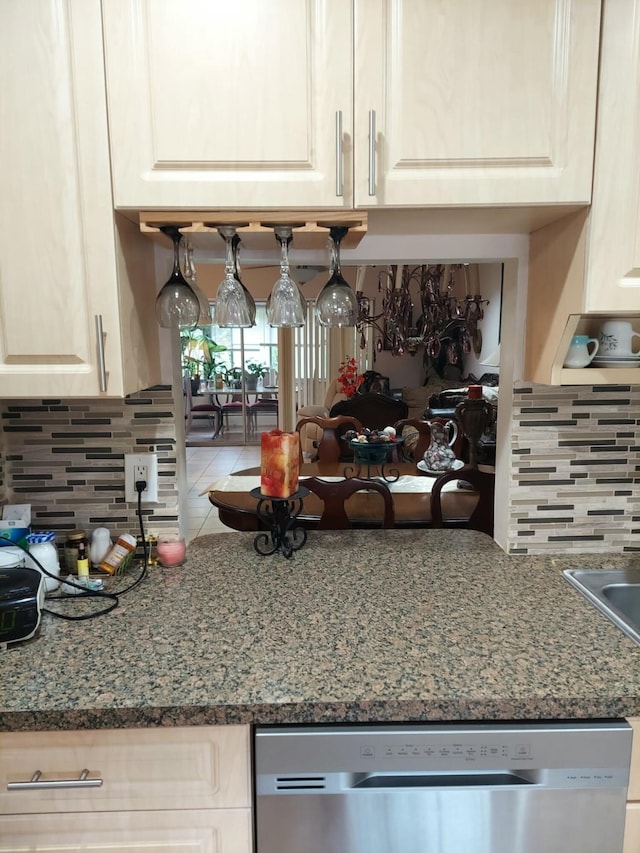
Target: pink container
[171, 551]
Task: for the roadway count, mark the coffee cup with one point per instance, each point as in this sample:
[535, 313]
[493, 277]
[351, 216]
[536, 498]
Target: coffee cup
[617, 338]
[579, 354]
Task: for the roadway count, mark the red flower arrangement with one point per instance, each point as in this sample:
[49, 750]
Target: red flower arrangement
[348, 379]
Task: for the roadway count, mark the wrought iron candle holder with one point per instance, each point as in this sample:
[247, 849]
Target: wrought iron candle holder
[280, 516]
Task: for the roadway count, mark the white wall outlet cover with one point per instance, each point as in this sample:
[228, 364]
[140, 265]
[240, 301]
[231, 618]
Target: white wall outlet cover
[141, 466]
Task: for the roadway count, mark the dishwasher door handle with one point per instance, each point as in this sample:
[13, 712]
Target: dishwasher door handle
[498, 779]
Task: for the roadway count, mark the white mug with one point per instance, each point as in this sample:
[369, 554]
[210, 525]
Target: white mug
[616, 339]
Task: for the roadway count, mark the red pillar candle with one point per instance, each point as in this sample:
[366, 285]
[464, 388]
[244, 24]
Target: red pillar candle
[474, 392]
[280, 463]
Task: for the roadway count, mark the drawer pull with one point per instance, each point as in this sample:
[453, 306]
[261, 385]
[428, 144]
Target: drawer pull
[36, 783]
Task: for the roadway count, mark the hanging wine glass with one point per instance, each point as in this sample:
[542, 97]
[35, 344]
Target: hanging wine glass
[177, 306]
[285, 306]
[337, 304]
[189, 268]
[231, 308]
[235, 242]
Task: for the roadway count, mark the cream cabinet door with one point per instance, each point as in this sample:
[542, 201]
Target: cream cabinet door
[202, 831]
[229, 105]
[613, 254]
[194, 767]
[632, 829]
[59, 248]
[483, 103]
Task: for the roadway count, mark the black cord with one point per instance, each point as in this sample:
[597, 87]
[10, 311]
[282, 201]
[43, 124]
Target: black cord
[88, 593]
[92, 593]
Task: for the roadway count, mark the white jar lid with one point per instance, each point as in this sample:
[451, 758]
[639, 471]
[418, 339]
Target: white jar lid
[11, 556]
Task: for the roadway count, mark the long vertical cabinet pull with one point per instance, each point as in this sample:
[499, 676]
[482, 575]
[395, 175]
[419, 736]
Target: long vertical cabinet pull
[102, 370]
[339, 155]
[372, 152]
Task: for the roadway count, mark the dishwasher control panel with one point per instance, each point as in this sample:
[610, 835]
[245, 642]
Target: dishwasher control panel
[448, 747]
[466, 751]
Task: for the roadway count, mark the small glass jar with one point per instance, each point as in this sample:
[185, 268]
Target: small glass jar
[72, 547]
[171, 550]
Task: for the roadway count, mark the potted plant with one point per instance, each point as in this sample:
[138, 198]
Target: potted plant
[234, 377]
[254, 370]
[198, 352]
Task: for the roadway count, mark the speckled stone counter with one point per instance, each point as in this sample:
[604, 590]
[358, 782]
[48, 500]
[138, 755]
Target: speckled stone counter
[357, 626]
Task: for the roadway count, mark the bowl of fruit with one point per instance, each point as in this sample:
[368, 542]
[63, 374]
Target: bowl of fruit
[372, 446]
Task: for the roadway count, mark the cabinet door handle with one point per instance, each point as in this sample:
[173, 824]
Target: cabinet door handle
[372, 152]
[37, 783]
[102, 370]
[339, 155]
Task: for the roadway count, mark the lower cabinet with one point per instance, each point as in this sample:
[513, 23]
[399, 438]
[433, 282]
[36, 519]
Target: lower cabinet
[215, 831]
[632, 829]
[169, 789]
[632, 823]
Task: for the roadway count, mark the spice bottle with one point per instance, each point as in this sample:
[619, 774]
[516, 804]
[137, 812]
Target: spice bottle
[124, 545]
[83, 558]
[74, 538]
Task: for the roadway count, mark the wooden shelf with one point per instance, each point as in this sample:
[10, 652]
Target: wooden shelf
[589, 324]
[600, 376]
[310, 228]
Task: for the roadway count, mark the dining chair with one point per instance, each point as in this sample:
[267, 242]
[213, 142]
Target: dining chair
[234, 406]
[334, 493]
[267, 405]
[198, 411]
[330, 448]
[373, 410]
[484, 482]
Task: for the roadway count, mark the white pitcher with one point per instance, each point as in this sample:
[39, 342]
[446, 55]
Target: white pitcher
[579, 354]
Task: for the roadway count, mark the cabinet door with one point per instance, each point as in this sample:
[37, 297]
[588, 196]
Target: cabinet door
[632, 829]
[202, 767]
[217, 104]
[483, 103]
[58, 243]
[613, 257]
[204, 831]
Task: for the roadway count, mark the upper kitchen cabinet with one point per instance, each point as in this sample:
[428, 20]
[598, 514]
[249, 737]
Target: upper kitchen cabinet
[310, 104]
[613, 243]
[483, 103]
[76, 289]
[215, 104]
[586, 266]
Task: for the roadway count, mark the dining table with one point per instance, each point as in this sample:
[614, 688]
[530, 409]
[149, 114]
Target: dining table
[410, 491]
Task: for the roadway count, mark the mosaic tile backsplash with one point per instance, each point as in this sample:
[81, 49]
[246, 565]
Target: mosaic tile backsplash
[575, 464]
[66, 458]
[575, 469]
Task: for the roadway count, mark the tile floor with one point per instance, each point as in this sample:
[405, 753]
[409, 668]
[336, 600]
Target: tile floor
[204, 465]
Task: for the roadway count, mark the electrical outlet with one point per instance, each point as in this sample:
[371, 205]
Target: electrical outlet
[141, 466]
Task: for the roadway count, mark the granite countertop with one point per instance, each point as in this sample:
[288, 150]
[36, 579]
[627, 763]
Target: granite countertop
[357, 626]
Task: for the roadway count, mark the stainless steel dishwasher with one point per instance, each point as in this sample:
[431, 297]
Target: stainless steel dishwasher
[485, 788]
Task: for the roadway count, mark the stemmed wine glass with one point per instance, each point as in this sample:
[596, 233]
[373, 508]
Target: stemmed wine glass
[231, 309]
[285, 306]
[189, 268]
[177, 306]
[337, 304]
[236, 242]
